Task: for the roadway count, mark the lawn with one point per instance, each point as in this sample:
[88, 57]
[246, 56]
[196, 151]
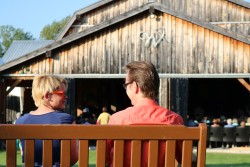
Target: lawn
[212, 160]
[227, 160]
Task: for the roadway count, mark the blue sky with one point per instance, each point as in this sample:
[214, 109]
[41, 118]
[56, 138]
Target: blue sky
[33, 15]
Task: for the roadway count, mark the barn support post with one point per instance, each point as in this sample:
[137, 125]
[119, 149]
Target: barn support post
[3, 100]
[179, 96]
[163, 92]
[71, 94]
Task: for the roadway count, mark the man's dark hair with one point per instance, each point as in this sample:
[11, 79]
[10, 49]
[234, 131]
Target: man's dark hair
[146, 76]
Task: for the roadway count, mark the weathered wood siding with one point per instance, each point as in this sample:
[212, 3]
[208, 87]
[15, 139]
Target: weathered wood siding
[206, 10]
[185, 48]
[243, 28]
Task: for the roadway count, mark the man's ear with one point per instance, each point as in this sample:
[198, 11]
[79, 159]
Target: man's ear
[136, 88]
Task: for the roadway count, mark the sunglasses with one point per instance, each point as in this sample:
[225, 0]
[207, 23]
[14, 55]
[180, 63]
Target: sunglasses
[126, 84]
[59, 92]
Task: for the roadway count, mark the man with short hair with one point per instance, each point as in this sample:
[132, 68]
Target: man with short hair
[142, 87]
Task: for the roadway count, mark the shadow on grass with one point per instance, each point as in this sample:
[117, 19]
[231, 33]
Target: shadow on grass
[229, 165]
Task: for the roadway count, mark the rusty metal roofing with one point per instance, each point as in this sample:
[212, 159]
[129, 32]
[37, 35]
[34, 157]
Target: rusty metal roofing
[20, 48]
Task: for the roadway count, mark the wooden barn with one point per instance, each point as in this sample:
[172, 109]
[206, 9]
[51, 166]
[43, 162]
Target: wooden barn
[201, 49]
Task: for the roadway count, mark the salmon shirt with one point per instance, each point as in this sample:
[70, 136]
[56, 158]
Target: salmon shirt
[146, 111]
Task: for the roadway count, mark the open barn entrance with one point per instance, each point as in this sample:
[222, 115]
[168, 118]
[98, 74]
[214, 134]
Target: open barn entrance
[96, 93]
[206, 97]
[218, 97]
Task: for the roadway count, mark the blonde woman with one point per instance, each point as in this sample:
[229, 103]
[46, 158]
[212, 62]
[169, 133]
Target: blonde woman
[49, 96]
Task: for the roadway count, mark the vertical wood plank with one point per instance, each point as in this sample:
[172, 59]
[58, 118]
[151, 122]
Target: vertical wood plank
[179, 42]
[185, 49]
[135, 153]
[195, 49]
[47, 152]
[29, 153]
[206, 51]
[173, 44]
[75, 56]
[81, 62]
[226, 49]
[153, 153]
[11, 153]
[241, 56]
[170, 153]
[200, 51]
[83, 153]
[235, 51]
[100, 153]
[215, 51]
[246, 58]
[201, 154]
[220, 53]
[187, 150]
[189, 48]
[65, 153]
[118, 153]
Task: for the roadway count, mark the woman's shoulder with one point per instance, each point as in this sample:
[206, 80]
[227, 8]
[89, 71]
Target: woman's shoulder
[64, 117]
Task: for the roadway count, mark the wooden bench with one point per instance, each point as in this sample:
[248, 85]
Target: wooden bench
[100, 133]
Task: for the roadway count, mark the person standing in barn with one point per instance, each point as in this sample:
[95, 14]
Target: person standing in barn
[142, 87]
[103, 118]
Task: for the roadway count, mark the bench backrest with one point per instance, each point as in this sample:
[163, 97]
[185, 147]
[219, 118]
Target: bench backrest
[100, 133]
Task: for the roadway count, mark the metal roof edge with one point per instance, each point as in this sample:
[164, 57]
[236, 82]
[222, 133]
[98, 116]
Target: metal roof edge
[79, 12]
[241, 3]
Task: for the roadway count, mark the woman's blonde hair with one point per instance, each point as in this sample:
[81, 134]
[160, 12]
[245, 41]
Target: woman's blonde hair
[45, 84]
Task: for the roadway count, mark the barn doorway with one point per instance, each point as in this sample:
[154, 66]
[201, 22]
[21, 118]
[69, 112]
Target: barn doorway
[218, 97]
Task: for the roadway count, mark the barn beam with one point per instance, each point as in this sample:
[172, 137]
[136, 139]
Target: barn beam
[244, 83]
[13, 86]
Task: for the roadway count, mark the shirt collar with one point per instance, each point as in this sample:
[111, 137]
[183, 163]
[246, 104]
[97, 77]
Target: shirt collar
[145, 101]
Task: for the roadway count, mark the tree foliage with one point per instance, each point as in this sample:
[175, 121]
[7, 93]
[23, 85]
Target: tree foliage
[8, 34]
[51, 31]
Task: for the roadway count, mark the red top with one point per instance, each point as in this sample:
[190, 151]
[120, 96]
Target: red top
[146, 111]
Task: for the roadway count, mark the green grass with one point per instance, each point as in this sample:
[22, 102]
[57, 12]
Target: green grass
[227, 160]
[212, 159]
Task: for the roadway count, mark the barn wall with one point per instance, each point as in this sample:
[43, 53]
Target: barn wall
[172, 44]
[206, 10]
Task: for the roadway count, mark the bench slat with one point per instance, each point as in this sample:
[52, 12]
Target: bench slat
[83, 153]
[99, 132]
[153, 153]
[170, 153]
[118, 152]
[100, 153]
[187, 150]
[47, 152]
[135, 153]
[201, 154]
[11, 152]
[29, 153]
[65, 153]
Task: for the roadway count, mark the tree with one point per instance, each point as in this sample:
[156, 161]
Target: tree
[8, 33]
[50, 32]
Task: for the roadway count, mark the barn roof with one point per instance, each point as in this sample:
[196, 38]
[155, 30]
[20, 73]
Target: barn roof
[120, 18]
[19, 48]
